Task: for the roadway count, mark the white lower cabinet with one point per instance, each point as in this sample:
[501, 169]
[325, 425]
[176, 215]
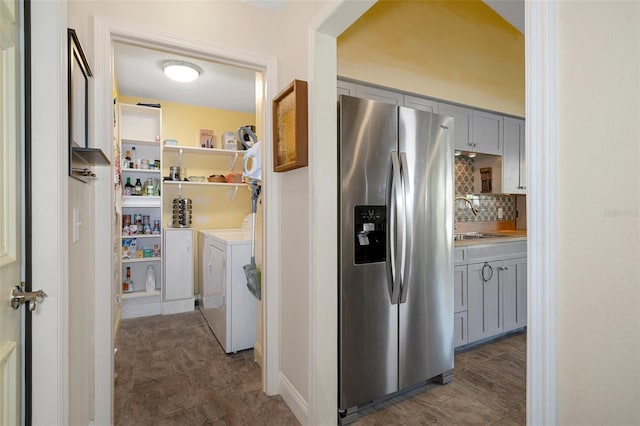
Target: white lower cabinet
[460, 306]
[178, 270]
[485, 300]
[490, 291]
[514, 293]
[460, 329]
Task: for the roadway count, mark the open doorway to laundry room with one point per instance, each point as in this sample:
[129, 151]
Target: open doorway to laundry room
[179, 195]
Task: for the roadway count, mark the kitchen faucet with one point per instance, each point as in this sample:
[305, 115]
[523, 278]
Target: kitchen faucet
[473, 209]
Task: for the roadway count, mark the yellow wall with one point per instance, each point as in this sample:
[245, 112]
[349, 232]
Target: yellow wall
[183, 122]
[212, 206]
[460, 51]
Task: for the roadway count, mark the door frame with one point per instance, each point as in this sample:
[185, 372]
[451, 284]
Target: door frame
[49, 207]
[105, 32]
[541, 51]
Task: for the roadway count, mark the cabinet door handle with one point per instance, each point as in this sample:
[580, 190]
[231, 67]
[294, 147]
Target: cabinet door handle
[210, 269]
[503, 268]
[484, 278]
[522, 187]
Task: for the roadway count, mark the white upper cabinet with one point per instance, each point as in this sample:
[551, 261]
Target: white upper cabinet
[346, 88]
[381, 95]
[513, 157]
[422, 104]
[462, 123]
[486, 132]
[475, 131]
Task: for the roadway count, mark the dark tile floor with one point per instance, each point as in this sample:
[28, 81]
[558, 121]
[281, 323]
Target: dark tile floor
[170, 370]
[488, 388]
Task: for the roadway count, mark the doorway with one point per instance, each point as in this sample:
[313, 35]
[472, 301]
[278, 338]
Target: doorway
[541, 63]
[201, 167]
[108, 33]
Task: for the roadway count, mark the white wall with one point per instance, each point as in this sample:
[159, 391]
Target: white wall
[599, 213]
[81, 303]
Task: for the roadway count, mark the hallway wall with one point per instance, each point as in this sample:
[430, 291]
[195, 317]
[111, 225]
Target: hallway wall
[252, 28]
[599, 231]
[81, 302]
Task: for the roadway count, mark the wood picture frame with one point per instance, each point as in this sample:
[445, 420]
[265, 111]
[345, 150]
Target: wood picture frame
[290, 127]
[78, 92]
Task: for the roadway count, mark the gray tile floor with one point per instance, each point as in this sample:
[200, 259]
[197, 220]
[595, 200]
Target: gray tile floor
[170, 370]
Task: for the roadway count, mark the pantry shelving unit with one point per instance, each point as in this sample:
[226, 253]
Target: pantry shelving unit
[181, 151]
[141, 127]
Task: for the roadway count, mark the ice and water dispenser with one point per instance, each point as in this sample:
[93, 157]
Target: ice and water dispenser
[370, 239]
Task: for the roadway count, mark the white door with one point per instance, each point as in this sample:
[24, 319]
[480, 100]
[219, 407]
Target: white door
[10, 234]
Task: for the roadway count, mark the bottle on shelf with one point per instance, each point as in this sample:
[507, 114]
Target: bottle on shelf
[148, 187]
[126, 223]
[133, 158]
[126, 161]
[146, 224]
[138, 187]
[128, 188]
[150, 284]
[127, 284]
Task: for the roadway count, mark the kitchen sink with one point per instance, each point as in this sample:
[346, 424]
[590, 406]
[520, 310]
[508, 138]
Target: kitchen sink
[477, 236]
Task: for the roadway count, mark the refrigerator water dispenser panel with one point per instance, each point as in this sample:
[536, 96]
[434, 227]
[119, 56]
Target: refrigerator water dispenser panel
[370, 234]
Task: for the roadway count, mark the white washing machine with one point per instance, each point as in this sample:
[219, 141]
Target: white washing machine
[226, 303]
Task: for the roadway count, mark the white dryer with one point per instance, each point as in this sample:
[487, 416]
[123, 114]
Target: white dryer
[226, 303]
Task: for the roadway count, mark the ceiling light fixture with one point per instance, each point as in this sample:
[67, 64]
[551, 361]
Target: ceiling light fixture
[181, 71]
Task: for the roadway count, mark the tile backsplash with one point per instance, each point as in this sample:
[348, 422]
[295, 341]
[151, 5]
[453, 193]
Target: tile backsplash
[487, 204]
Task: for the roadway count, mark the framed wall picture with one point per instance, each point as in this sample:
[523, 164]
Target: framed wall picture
[290, 127]
[78, 92]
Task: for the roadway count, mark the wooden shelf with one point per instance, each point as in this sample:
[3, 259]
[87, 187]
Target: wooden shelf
[128, 237]
[201, 151]
[141, 201]
[141, 260]
[140, 142]
[181, 150]
[218, 184]
[141, 294]
[232, 187]
[148, 171]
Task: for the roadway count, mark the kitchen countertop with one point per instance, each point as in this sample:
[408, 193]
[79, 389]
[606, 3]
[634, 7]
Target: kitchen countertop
[506, 237]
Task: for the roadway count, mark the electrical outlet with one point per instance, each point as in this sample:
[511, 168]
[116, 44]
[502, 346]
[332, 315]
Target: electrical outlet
[500, 212]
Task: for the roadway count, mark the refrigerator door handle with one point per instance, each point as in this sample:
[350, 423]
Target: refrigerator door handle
[406, 227]
[396, 218]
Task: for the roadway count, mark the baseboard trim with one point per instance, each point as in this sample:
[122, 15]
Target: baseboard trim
[293, 399]
[257, 353]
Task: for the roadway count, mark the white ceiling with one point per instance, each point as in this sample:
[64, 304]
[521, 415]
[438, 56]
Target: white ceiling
[139, 69]
[139, 73]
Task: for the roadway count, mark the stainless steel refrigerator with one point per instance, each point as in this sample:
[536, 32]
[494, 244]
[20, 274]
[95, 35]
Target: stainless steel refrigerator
[395, 250]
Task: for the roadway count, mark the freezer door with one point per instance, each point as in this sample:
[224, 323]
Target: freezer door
[426, 308]
[368, 322]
